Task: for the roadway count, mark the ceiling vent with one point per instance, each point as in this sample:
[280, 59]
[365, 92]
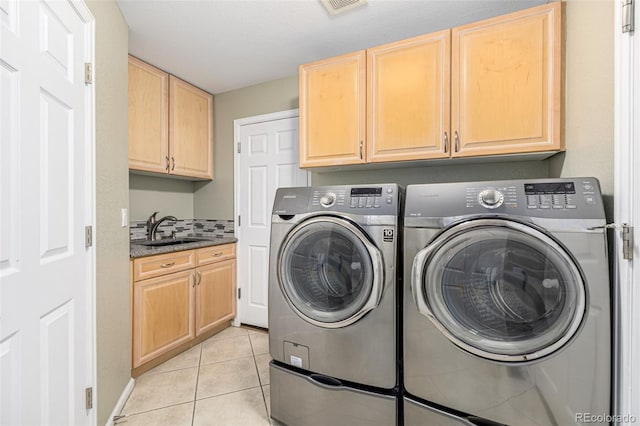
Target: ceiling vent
[338, 6]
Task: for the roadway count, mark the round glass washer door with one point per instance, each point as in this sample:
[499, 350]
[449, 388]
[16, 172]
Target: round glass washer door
[500, 289]
[329, 272]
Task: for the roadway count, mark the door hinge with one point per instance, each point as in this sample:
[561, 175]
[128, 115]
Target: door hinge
[239, 293]
[627, 16]
[88, 236]
[88, 73]
[239, 221]
[239, 147]
[627, 241]
[88, 401]
[627, 237]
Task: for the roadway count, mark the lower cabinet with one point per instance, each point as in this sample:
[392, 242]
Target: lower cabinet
[162, 315]
[215, 295]
[173, 311]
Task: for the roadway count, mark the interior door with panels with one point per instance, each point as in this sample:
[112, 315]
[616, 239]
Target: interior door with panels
[267, 161]
[506, 83]
[46, 199]
[408, 99]
[333, 111]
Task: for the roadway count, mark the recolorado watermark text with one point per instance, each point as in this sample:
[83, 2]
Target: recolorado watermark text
[604, 418]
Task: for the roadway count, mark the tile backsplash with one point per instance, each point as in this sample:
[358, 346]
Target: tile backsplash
[207, 228]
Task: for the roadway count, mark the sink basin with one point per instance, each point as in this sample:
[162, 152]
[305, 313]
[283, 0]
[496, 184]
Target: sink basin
[169, 242]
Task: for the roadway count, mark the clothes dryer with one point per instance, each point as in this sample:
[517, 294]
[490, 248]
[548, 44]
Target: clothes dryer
[507, 301]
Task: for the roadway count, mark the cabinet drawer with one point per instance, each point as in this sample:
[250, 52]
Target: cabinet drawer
[162, 264]
[207, 255]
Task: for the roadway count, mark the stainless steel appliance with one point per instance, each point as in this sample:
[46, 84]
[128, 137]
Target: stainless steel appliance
[506, 302]
[332, 294]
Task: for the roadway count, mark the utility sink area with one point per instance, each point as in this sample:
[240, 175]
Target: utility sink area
[169, 242]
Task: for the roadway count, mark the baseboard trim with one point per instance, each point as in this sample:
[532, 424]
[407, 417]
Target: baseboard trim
[121, 401]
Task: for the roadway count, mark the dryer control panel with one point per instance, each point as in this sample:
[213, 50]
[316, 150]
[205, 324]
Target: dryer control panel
[545, 198]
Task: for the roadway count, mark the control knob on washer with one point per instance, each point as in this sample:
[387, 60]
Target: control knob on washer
[328, 199]
[491, 198]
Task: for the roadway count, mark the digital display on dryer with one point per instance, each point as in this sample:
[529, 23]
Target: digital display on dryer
[549, 188]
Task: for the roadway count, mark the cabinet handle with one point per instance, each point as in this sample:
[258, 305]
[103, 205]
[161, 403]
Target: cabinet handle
[216, 254]
[361, 150]
[167, 265]
[457, 139]
[446, 142]
[167, 157]
[173, 163]
[199, 276]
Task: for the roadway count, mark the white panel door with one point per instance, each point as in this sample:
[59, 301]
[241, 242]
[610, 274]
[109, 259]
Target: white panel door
[268, 160]
[46, 199]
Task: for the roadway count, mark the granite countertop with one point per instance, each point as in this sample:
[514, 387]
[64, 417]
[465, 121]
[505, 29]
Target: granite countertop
[139, 250]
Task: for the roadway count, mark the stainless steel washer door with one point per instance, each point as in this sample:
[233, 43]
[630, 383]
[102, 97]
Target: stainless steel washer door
[500, 289]
[329, 272]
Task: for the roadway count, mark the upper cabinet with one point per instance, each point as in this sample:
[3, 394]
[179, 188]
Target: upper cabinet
[170, 124]
[505, 85]
[408, 99]
[487, 88]
[148, 117]
[190, 130]
[332, 111]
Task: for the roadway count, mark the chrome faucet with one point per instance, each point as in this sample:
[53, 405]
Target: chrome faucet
[153, 224]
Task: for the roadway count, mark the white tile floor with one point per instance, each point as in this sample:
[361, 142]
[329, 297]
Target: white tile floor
[222, 381]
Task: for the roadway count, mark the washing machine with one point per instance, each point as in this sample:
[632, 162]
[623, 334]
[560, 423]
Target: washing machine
[332, 289]
[506, 303]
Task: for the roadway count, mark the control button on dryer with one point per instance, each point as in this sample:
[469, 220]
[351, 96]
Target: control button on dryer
[590, 199]
[389, 200]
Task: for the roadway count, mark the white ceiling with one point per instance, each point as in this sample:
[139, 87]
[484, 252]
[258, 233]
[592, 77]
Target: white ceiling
[221, 45]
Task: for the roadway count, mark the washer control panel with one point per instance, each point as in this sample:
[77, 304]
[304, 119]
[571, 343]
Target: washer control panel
[365, 200]
[369, 198]
[373, 199]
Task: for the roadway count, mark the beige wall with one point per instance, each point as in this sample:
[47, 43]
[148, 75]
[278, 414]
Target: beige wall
[148, 194]
[214, 200]
[112, 241]
[589, 103]
[588, 123]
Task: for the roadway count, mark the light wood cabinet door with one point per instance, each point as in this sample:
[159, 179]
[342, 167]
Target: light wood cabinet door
[408, 99]
[190, 130]
[215, 295]
[163, 264]
[333, 111]
[148, 122]
[506, 84]
[162, 315]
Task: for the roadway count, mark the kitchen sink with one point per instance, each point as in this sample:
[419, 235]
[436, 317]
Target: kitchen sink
[169, 242]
